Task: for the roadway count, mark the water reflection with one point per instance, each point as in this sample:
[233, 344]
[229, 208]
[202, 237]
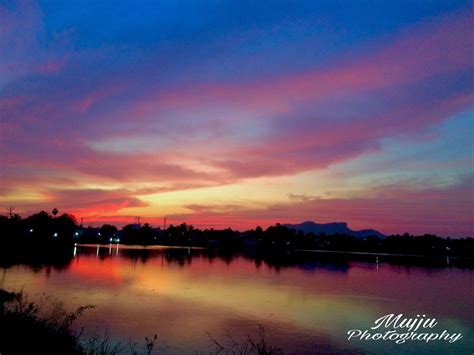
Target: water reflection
[184, 256]
[305, 260]
[306, 301]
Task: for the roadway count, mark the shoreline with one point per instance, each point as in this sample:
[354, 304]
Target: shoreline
[385, 254]
[160, 247]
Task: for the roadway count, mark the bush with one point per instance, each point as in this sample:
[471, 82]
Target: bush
[27, 329]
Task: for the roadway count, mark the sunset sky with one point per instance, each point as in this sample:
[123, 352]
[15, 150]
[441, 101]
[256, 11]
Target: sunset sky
[240, 113]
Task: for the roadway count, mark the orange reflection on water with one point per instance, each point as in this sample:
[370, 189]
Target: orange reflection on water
[96, 269]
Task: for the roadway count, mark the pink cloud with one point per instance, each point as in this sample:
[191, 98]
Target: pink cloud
[50, 66]
[422, 52]
[317, 144]
[85, 103]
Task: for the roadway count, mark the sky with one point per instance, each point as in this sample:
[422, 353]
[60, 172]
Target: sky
[240, 113]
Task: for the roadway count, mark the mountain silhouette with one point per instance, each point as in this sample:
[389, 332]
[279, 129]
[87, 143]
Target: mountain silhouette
[332, 228]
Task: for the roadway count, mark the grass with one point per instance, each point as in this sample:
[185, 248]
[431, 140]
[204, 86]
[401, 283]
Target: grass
[47, 328]
[27, 327]
[247, 346]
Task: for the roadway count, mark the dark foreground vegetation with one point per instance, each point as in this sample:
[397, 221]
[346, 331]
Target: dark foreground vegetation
[27, 329]
[44, 238]
[30, 328]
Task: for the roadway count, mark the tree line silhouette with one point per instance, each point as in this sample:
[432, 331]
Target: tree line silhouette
[52, 233]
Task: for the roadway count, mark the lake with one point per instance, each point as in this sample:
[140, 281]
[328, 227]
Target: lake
[190, 296]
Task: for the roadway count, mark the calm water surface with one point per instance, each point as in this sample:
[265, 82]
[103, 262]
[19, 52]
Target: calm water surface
[185, 296]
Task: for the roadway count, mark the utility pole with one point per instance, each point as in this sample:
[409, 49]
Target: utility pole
[10, 211]
[164, 223]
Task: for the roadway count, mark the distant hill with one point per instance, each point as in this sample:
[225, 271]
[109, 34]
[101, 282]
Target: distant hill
[332, 228]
